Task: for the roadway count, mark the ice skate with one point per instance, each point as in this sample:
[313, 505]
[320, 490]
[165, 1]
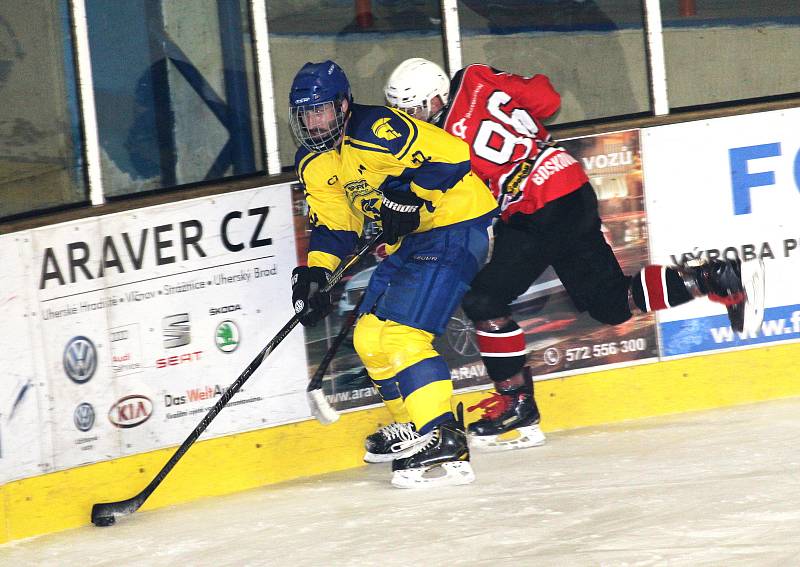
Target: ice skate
[391, 442]
[740, 287]
[441, 459]
[510, 420]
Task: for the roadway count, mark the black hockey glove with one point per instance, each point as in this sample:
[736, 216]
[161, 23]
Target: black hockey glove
[399, 214]
[307, 299]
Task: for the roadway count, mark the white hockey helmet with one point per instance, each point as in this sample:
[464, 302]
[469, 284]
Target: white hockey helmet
[414, 84]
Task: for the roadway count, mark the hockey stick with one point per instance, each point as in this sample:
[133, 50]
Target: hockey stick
[317, 401]
[105, 513]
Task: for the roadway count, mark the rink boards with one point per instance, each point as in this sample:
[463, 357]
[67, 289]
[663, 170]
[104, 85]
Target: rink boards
[122, 330]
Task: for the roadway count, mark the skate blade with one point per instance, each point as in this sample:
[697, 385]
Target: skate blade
[453, 473]
[753, 281]
[520, 438]
[373, 458]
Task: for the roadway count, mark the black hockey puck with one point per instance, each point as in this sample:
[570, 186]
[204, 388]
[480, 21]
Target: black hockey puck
[103, 521]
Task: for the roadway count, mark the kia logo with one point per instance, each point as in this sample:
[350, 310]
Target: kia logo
[84, 417]
[130, 411]
[176, 330]
[80, 359]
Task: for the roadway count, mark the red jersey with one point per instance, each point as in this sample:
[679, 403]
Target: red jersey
[500, 116]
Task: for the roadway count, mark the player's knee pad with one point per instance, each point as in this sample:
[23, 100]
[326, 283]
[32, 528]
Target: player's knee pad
[367, 342]
[404, 346]
[479, 306]
[503, 348]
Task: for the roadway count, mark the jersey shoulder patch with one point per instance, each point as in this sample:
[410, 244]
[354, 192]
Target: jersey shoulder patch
[380, 129]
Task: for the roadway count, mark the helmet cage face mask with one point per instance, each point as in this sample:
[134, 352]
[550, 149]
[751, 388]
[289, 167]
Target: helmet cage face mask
[319, 136]
[317, 112]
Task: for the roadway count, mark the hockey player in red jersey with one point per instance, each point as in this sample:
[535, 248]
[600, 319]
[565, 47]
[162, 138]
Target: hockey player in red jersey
[549, 217]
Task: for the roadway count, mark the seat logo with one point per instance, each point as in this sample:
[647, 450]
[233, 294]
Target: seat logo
[176, 330]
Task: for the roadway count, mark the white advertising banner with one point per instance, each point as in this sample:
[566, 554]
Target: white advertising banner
[143, 318]
[727, 187]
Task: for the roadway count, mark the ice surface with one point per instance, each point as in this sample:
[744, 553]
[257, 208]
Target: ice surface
[719, 487]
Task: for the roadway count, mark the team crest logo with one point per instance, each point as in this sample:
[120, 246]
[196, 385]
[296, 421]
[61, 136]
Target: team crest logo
[382, 129]
[356, 189]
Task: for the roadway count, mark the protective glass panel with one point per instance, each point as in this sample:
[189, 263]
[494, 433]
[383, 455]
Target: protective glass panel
[367, 39]
[175, 92]
[593, 51]
[40, 155]
[720, 51]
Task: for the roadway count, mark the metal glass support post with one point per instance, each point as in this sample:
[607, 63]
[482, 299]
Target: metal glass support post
[452, 35]
[655, 57]
[269, 119]
[91, 140]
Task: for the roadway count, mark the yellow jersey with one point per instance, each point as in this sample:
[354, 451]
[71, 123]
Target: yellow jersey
[385, 148]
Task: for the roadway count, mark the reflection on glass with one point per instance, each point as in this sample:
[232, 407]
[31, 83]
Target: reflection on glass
[175, 94]
[40, 159]
[725, 51]
[367, 38]
[593, 51]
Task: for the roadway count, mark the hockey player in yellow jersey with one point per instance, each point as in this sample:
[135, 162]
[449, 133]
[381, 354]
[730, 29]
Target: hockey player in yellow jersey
[359, 162]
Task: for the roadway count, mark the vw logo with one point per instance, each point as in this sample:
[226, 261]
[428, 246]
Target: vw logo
[80, 359]
[84, 416]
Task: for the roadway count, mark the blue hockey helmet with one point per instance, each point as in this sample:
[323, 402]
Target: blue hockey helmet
[316, 105]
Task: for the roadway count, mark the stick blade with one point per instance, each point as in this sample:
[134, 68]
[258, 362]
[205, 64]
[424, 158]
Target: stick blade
[105, 513]
[320, 407]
